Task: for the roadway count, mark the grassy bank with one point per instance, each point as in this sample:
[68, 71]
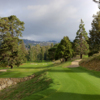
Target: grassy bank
[91, 63]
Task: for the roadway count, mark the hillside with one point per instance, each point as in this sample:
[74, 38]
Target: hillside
[92, 63]
[42, 43]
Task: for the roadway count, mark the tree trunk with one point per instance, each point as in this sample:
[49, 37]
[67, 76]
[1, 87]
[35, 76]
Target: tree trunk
[80, 56]
[11, 66]
[66, 59]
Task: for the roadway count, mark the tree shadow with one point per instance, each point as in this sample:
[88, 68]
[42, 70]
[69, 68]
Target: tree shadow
[72, 96]
[77, 70]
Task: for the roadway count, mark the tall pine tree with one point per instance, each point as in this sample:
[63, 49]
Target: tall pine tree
[64, 49]
[94, 40]
[81, 44]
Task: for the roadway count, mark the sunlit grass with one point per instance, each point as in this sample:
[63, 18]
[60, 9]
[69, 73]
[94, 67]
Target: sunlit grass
[25, 70]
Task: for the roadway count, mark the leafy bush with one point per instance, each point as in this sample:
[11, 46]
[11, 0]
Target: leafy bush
[2, 64]
[92, 53]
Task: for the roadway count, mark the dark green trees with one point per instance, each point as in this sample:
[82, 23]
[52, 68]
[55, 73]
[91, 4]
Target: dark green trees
[64, 49]
[94, 40]
[42, 54]
[81, 44]
[37, 53]
[10, 30]
[22, 53]
[52, 52]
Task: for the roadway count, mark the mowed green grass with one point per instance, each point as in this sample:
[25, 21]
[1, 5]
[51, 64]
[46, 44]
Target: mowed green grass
[57, 83]
[24, 70]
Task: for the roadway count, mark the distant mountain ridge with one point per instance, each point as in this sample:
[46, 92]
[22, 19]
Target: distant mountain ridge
[42, 43]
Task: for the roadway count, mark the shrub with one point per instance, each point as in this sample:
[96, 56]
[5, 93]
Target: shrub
[92, 53]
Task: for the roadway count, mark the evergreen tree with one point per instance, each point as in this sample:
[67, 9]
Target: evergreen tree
[94, 40]
[81, 44]
[37, 53]
[6, 54]
[21, 58]
[64, 49]
[30, 54]
[42, 54]
[10, 30]
[47, 53]
[73, 47]
[52, 52]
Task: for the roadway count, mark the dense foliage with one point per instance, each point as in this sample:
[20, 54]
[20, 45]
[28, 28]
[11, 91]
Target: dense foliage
[37, 52]
[10, 30]
[94, 40]
[61, 50]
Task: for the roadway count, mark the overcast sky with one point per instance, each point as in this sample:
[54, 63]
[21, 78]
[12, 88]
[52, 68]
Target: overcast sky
[50, 19]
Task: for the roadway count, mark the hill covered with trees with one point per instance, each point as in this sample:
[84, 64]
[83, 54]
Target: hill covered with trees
[41, 43]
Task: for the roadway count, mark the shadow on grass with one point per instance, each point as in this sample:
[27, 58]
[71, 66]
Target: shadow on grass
[63, 96]
[73, 96]
[78, 70]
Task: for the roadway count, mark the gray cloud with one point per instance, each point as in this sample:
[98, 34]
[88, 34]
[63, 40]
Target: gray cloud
[50, 19]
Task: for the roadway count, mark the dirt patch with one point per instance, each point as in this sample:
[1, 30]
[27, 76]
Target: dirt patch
[91, 65]
[3, 70]
[74, 63]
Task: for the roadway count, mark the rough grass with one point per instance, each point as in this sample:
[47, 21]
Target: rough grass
[91, 63]
[24, 89]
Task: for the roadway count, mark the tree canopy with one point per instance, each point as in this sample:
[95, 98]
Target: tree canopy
[10, 30]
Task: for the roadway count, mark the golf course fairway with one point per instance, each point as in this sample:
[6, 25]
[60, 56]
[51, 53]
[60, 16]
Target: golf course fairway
[75, 84]
[71, 84]
[67, 84]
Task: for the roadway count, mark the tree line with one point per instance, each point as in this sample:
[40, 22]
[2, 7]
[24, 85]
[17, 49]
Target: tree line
[82, 44]
[14, 52]
[37, 52]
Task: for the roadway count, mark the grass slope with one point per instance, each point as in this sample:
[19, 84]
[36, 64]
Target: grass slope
[57, 83]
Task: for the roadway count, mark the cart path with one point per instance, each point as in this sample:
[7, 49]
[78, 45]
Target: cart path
[74, 63]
